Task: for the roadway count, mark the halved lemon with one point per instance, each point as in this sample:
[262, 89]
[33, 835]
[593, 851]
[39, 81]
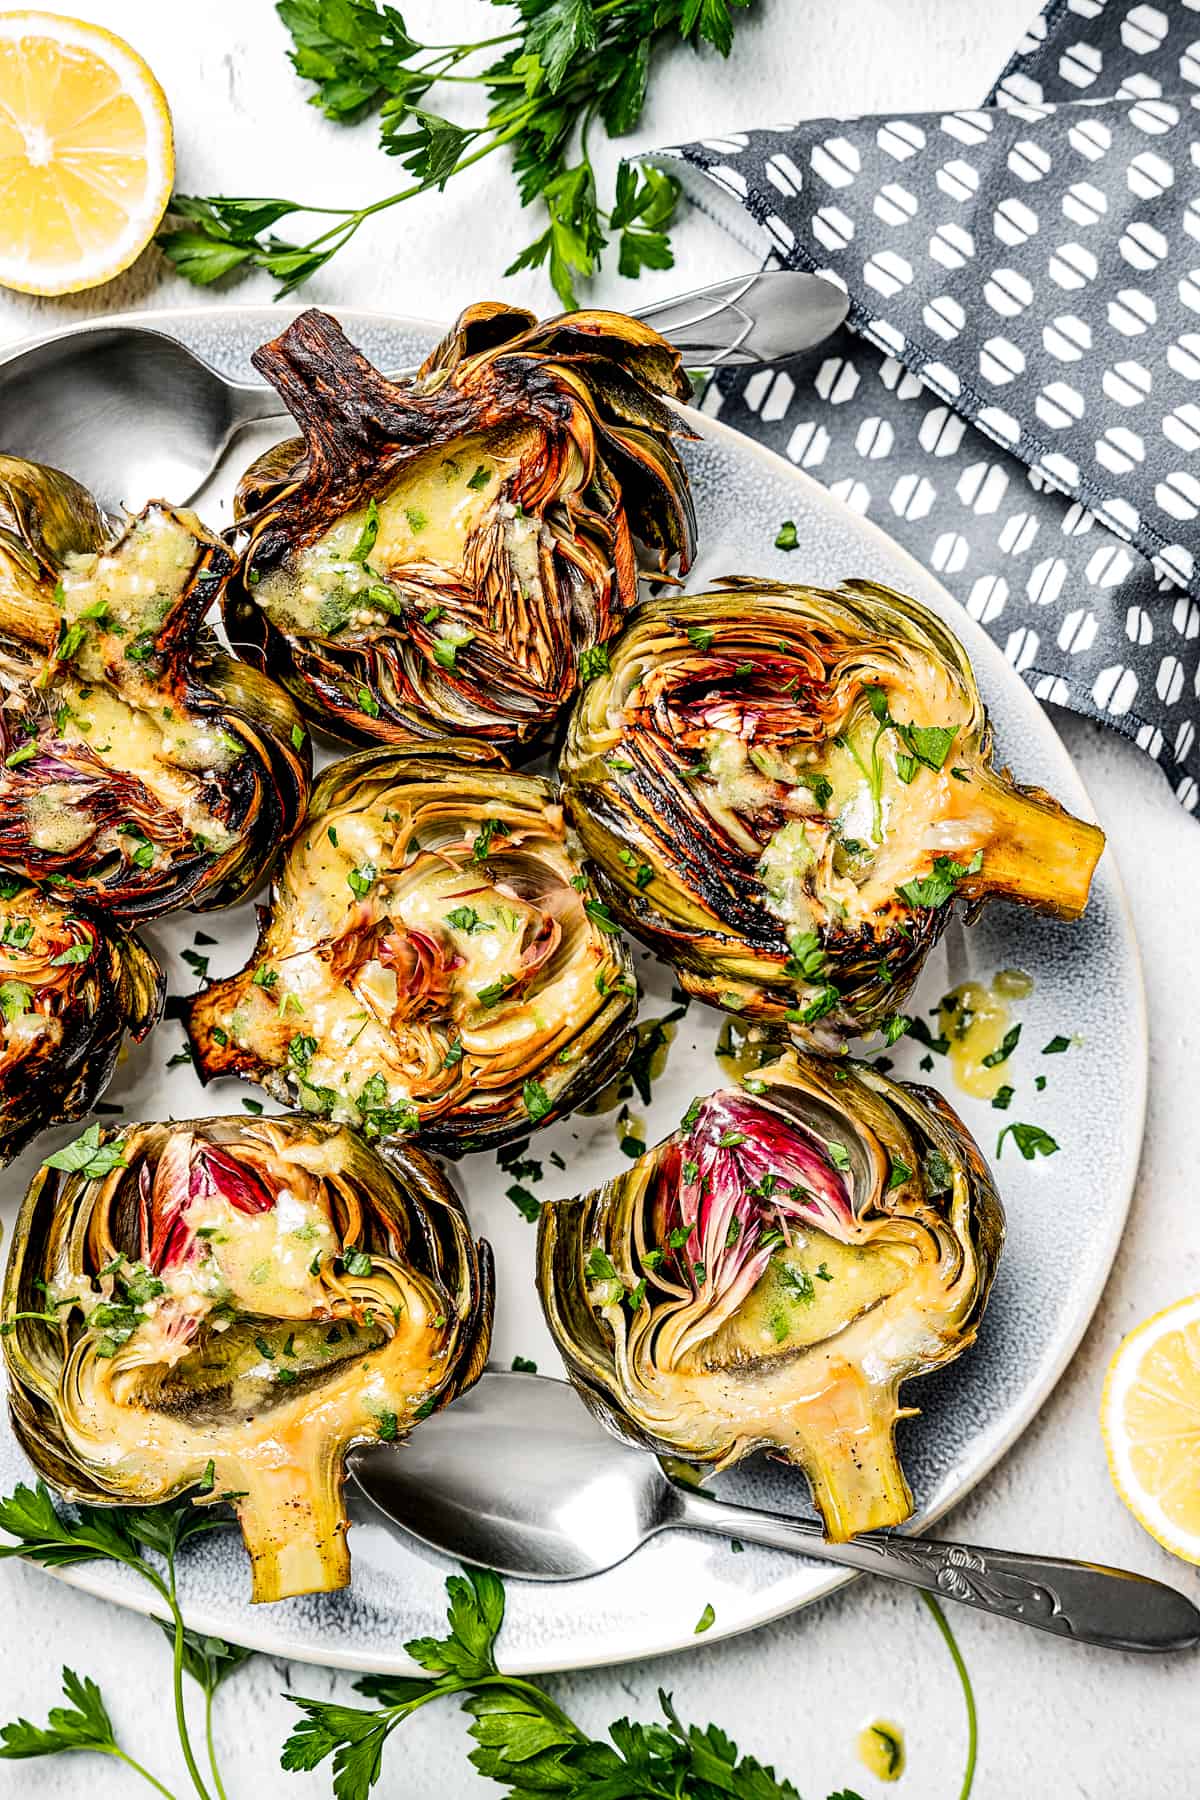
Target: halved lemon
[1150, 1416]
[86, 156]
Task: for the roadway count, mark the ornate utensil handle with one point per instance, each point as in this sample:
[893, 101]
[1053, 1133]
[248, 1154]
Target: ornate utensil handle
[1085, 1601]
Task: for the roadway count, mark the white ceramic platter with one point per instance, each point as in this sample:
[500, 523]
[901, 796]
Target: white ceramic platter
[1087, 985]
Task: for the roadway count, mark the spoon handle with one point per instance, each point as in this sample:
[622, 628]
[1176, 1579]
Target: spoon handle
[770, 316]
[1085, 1601]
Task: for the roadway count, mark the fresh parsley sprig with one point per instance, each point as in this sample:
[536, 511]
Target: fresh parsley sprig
[121, 1535]
[565, 67]
[522, 1737]
[83, 1724]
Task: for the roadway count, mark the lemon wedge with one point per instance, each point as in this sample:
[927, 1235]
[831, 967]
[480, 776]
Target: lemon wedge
[86, 156]
[1150, 1416]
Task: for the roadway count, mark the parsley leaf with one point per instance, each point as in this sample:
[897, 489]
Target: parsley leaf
[87, 1156]
[564, 64]
[936, 888]
[1030, 1140]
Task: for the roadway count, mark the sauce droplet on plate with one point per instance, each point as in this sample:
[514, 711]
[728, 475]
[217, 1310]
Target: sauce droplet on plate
[977, 1023]
[881, 1749]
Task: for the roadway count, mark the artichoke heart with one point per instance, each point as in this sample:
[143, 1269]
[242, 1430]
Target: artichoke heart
[228, 1305]
[432, 959]
[786, 789]
[71, 986]
[450, 553]
[140, 767]
[769, 1275]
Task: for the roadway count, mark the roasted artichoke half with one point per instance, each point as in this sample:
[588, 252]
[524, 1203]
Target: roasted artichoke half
[785, 790]
[770, 1274]
[140, 768]
[432, 959]
[71, 986]
[448, 554]
[227, 1305]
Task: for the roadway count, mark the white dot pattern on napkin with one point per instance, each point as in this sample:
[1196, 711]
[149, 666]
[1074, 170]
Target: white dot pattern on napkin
[1021, 379]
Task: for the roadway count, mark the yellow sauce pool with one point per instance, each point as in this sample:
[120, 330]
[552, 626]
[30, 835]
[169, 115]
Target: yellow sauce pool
[975, 1020]
[881, 1749]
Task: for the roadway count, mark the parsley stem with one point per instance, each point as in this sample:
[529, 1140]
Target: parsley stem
[177, 1681]
[132, 1763]
[352, 217]
[212, 1748]
[943, 1625]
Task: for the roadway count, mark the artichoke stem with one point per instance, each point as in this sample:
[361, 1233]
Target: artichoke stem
[295, 1530]
[847, 1448]
[1033, 850]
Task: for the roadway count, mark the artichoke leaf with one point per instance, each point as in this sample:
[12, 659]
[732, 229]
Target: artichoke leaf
[140, 769]
[771, 1274]
[447, 554]
[230, 1306]
[72, 986]
[432, 959]
[786, 790]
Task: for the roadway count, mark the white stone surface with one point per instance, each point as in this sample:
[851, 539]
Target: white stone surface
[1056, 1722]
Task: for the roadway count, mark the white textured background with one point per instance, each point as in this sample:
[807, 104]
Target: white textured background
[1056, 1723]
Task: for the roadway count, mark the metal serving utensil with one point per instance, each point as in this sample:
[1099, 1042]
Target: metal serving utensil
[133, 413]
[517, 1476]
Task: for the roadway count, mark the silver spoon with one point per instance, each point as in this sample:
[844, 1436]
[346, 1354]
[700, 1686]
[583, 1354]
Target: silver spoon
[519, 1477]
[133, 413]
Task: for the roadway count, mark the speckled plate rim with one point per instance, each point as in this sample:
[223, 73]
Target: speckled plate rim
[297, 1647]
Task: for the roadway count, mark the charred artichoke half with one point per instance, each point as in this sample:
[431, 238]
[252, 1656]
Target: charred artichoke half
[785, 790]
[227, 1305]
[140, 768]
[770, 1274]
[448, 554]
[70, 988]
[432, 959]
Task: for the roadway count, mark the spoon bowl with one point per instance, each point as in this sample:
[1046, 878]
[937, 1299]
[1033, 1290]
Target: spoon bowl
[130, 413]
[517, 1476]
[135, 415]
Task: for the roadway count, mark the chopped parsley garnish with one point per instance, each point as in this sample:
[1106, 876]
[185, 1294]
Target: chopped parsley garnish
[537, 1100]
[599, 914]
[786, 537]
[495, 991]
[526, 1202]
[466, 918]
[593, 661]
[1004, 1049]
[1030, 1140]
[86, 1155]
[368, 534]
[797, 1284]
[77, 953]
[1056, 1046]
[936, 888]
[482, 847]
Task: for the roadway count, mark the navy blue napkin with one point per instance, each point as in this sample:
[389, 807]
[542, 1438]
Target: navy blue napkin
[1016, 397]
